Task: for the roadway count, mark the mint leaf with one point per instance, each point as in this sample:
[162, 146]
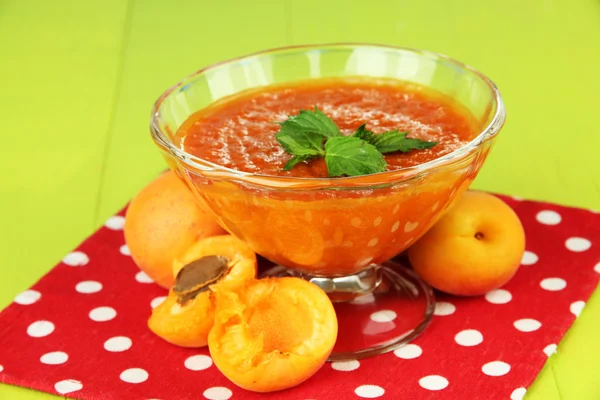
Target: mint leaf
[295, 160]
[391, 141]
[352, 156]
[363, 133]
[409, 144]
[310, 121]
[301, 143]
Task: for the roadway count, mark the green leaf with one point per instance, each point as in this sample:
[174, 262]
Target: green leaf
[352, 156]
[301, 143]
[363, 133]
[409, 144]
[391, 141]
[310, 121]
[292, 162]
[388, 142]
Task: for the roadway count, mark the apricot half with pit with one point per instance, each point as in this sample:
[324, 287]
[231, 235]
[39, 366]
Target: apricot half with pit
[228, 246]
[272, 334]
[187, 315]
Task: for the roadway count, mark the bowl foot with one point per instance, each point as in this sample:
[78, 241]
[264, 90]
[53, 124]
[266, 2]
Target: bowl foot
[378, 310]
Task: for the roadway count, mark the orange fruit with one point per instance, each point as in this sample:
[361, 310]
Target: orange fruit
[474, 248]
[162, 222]
[272, 334]
[187, 324]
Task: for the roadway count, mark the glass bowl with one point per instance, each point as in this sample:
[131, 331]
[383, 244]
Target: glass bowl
[339, 233]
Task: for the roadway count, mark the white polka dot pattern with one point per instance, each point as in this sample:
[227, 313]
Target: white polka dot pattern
[469, 337]
[68, 386]
[198, 362]
[369, 391]
[103, 314]
[217, 393]
[28, 297]
[115, 223]
[40, 329]
[527, 325]
[498, 296]
[350, 365]
[408, 351]
[529, 258]
[94, 297]
[548, 217]
[118, 344]
[134, 375]
[54, 358]
[578, 244]
[496, 368]
[76, 259]
[433, 382]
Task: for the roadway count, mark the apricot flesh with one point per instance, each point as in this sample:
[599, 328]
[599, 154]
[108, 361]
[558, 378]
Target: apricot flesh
[474, 248]
[272, 334]
[183, 325]
[188, 325]
[162, 222]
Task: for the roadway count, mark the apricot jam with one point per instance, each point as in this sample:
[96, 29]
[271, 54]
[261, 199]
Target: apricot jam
[333, 230]
[239, 132]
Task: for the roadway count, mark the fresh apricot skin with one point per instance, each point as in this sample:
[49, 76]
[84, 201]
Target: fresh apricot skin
[474, 248]
[272, 334]
[188, 325]
[183, 325]
[164, 220]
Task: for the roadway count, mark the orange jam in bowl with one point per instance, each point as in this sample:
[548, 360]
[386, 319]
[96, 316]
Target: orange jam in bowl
[217, 130]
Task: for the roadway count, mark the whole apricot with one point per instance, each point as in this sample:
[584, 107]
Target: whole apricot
[162, 222]
[187, 315]
[272, 334]
[474, 248]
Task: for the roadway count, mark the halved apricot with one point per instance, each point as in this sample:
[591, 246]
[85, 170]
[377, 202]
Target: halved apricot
[184, 325]
[272, 334]
[187, 315]
[242, 258]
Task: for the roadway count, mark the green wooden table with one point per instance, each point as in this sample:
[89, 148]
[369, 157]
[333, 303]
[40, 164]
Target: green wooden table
[77, 80]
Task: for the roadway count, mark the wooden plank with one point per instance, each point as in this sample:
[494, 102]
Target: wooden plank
[60, 62]
[59, 66]
[166, 44]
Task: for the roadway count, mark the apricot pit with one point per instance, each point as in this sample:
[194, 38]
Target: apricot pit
[196, 276]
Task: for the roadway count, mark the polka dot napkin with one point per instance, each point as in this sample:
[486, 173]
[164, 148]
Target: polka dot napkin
[81, 330]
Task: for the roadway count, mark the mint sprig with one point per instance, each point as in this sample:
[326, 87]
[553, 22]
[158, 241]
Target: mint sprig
[311, 134]
[392, 141]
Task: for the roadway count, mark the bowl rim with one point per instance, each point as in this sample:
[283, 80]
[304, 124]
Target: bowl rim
[217, 171]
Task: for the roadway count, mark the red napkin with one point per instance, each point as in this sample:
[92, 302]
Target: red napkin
[81, 330]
